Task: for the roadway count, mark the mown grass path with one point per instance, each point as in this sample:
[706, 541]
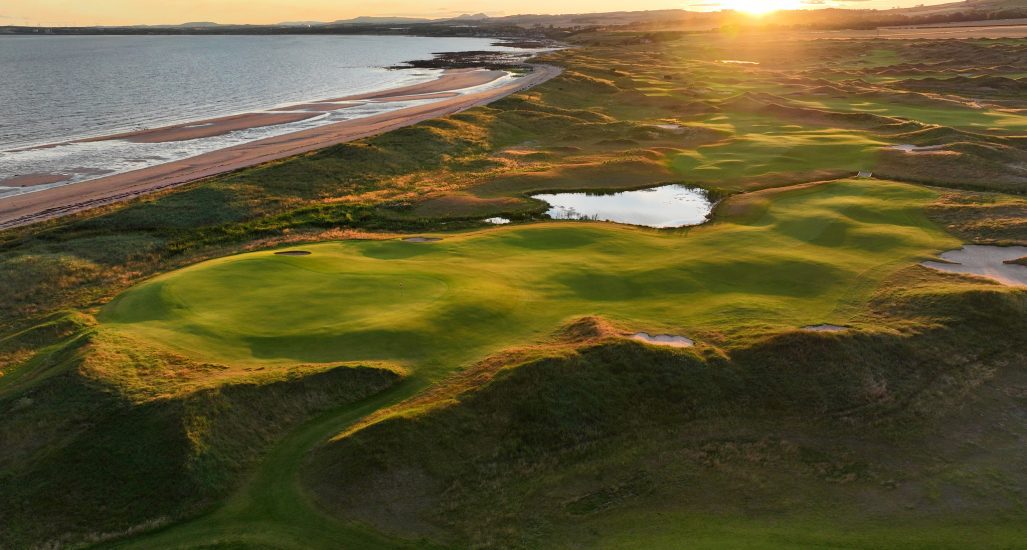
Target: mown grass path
[271, 508]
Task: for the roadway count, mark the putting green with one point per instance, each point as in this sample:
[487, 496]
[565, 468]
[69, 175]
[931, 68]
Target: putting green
[765, 145]
[811, 255]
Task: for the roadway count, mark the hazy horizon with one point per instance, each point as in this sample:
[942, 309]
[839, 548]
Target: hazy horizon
[127, 12]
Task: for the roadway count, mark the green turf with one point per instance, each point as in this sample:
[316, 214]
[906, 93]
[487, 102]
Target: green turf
[766, 145]
[949, 114]
[812, 257]
[667, 529]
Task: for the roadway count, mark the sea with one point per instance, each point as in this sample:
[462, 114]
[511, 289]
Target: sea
[56, 89]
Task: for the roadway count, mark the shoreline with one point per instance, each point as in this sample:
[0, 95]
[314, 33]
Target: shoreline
[54, 202]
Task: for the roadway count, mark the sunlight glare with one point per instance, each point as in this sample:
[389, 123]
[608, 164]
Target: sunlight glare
[760, 7]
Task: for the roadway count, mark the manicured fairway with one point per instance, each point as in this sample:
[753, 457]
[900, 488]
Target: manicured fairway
[775, 260]
[766, 145]
[812, 256]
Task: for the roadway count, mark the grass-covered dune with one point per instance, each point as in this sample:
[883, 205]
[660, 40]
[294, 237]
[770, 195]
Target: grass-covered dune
[880, 438]
[103, 436]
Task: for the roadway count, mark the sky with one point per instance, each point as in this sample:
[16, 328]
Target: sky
[131, 12]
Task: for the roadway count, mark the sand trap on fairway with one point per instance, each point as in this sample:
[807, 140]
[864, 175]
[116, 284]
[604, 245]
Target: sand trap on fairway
[825, 328]
[663, 340]
[497, 221]
[673, 128]
[293, 253]
[916, 150]
[422, 239]
[985, 261]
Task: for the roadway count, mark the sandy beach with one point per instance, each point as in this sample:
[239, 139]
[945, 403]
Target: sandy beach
[206, 128]
[452, 79]
[320, 107]
[32, 180]
[59, 201]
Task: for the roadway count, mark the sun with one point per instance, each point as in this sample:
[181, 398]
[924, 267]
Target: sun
[760, 7]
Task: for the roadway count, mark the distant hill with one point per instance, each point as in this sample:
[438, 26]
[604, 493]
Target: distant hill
[555, 25]
[367, 20]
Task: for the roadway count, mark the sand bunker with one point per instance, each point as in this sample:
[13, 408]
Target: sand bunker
[663, 340]
[422, 239]
[672, 128]
[293, 253]
[497, 221]
[916, 150]
[825, 328]
[985, 261]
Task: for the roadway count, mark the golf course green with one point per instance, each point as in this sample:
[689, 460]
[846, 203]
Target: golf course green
[811, 256]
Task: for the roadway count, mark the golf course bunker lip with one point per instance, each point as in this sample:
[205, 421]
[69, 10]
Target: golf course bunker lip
[669, 340]
[825, 327]
[661, 207]
[422, 239]
[918, 150]
[672, 128]
[985, 261]
[293, 253]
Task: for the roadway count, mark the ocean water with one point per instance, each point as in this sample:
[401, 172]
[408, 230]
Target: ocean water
[55, 89]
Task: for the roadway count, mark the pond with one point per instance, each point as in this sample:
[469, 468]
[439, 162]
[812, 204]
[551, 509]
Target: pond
[664, 206]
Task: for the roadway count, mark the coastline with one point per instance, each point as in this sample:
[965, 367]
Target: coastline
[28, 208]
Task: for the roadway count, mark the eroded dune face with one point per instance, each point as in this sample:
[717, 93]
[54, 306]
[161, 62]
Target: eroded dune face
[992, 262]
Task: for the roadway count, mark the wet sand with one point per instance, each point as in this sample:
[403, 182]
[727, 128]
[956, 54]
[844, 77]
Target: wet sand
[438, 95]
[320, 107]
[60, 201]
[206, 128]
[452, 79]
[31, 180]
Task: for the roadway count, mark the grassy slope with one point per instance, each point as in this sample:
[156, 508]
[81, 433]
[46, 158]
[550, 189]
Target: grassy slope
[803, 257]
[103, 435]
[591, 128]
[519, 292]
[887, 438]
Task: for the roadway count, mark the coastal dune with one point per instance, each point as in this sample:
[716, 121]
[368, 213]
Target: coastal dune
[54, 202]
